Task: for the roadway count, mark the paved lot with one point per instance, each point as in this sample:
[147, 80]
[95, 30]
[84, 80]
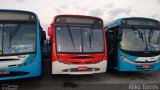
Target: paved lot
[105, 81]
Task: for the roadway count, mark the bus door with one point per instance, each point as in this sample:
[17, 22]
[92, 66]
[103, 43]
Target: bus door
[112, 47]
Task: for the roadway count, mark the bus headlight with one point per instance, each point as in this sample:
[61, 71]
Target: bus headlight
[158, 61]
[126, 60]
[28, 62]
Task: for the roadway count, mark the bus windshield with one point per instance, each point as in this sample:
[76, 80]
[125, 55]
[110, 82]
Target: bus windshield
[17, 38]
[144, 40]
[79, 39]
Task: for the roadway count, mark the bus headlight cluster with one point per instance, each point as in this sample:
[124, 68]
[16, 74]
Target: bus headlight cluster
[27, 63]
[158, 60]
[126, 60]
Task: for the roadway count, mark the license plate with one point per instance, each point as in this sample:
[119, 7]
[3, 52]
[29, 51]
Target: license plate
[82, 68]
[4, 72]
[145, 66]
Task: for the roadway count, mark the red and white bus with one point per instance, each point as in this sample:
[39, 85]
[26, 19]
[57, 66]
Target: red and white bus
[78, 45]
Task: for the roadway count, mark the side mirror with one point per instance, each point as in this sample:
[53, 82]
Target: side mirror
[44, 35]
[50, 31]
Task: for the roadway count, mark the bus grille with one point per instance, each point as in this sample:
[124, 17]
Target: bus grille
[76, 70]
[144, 61]
[140, 67]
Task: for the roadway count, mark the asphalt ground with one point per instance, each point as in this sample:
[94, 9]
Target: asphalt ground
[111, 80]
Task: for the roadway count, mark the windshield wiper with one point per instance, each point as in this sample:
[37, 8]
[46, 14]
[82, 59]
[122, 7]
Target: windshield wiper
[140, 35]
[71, 37]
[16, 30]
[150, 35]
[3, 36]
[90, 38]
[81, 40]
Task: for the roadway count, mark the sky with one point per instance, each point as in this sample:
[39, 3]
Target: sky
[108, 10]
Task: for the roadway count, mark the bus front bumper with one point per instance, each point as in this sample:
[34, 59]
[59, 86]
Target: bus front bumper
[73, 69]
[32, 70]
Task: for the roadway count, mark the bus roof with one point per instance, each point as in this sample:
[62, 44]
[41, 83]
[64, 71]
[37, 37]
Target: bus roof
[68, 15]
[118, 22]
[20, 11]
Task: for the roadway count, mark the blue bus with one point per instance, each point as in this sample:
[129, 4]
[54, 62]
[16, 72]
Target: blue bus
[21, 41]
[133, 44]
